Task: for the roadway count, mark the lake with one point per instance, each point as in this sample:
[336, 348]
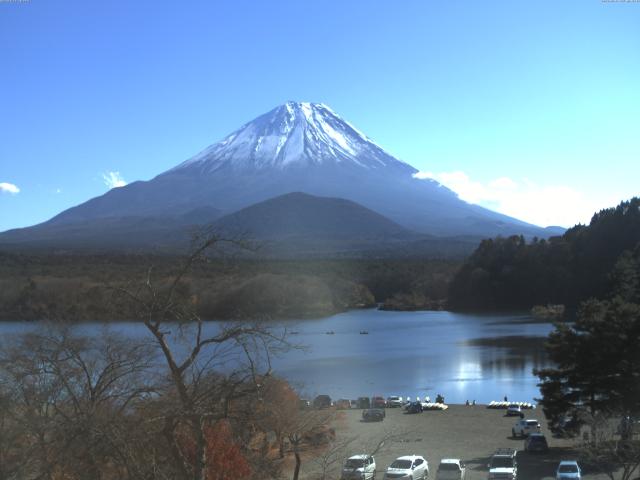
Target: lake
[462, 356]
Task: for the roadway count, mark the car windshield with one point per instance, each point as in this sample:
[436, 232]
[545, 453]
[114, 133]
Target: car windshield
[532, 422]
[404, 464]
[448, 467]
[355, 463]
[537, 439]
[568, 469]
[502, 462]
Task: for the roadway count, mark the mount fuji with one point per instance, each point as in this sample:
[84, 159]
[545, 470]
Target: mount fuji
[296, 147]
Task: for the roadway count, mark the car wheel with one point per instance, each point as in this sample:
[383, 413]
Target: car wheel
[373, 477]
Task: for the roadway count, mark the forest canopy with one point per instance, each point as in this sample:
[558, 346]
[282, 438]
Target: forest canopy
[586, 262]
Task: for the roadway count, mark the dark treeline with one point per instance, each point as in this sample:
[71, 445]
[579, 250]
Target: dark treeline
[586, 262]
[79, 287]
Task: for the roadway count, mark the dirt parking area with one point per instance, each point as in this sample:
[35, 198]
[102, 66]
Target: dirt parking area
[471, 433]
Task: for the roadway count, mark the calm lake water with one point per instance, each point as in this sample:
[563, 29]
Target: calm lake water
[462, 356]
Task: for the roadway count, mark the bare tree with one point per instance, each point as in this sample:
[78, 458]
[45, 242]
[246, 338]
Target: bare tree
[308, 429]
[331, 460]
[386, 440]
[210, 367]
[617, 456]
[178, 405]
[69, 404]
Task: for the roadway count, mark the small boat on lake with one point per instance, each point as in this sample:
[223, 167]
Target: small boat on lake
[364, 332]
[331, 332]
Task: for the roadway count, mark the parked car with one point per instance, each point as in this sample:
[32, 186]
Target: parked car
[360, 467]
[322, 401]
[414, 407]
[411, 467]
[567, 426]
[343, 404]
[302, 403]
[394, 401]
[568, 470]
[503, 465]
[354, 403]
[373, 415]
[514, 410]
[364, 402]
[378, 402]
[451, 469]
[523, 427]
[536, 442]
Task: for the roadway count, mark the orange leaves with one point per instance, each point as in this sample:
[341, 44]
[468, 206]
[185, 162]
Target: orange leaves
[224, 459]
[224, 456]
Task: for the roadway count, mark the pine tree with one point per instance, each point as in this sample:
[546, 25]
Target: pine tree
[597, 364]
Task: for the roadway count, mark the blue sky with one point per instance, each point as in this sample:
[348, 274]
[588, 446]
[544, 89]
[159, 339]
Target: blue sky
[530, 108]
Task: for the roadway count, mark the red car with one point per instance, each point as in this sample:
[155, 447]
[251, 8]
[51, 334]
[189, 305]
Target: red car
[378, 402]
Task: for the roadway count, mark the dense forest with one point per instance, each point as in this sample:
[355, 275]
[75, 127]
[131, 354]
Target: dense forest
[80, 287]
[588, 261]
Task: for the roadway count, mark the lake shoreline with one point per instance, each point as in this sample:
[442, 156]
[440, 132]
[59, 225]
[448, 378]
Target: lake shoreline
[308, 316]
[367, 352]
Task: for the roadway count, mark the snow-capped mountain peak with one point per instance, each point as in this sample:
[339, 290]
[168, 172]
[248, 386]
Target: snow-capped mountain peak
[292, 135]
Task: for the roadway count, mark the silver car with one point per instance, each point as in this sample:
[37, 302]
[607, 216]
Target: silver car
[360, 467]
[568, 470]
[451, 469]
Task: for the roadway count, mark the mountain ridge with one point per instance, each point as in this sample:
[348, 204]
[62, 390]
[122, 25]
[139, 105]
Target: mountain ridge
[296, 147]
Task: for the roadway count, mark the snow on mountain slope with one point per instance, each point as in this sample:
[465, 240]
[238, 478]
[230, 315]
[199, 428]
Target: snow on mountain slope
[293, 134]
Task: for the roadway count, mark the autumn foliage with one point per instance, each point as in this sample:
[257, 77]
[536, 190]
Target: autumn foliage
[225, 458]
[224, 455]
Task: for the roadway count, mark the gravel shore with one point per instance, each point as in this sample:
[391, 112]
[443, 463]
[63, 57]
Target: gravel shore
[471, 433]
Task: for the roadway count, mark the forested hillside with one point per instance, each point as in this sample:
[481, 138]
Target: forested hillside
[585, 262]
[81, 287]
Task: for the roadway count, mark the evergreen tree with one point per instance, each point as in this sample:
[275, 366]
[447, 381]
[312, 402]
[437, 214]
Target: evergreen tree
[509, 273]
[597, 364]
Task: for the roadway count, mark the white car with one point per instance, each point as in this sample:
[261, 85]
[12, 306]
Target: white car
[568, 470]
[503, 465]
[451, 469]
[409, 467]
[523, 427]
[360, 467]
[394, 401]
